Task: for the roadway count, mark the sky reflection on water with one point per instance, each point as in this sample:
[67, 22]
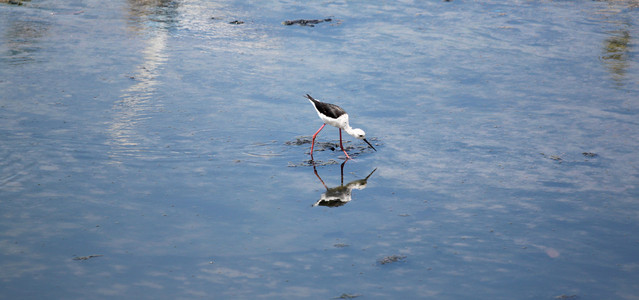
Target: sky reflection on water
[167, 139]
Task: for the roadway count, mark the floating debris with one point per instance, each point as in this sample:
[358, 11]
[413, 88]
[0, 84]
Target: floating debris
[348, 296]
[391, 259]
[341, 245]
[236, 22]
[354, 149]
[319, 146]
[303, 22]
[589, 154]
[553, 157]
[570, 297]
[13, 2]
[86, 257]
[316, 163]
[299, 141]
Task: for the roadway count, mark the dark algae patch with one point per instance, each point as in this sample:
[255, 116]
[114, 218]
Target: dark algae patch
[304, 22]
[347, 296]
[391, 259]
[86, 257]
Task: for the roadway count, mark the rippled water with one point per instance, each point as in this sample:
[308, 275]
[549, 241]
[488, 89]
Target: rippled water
[159, 149]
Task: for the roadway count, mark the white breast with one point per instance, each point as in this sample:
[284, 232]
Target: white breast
[340, 122]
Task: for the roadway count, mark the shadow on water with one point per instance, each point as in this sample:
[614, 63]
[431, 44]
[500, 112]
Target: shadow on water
[616, 54]
[617, 48]
[22, 39]
[340, 195]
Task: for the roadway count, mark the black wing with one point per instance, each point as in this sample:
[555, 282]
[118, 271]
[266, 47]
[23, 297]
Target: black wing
[330, 110]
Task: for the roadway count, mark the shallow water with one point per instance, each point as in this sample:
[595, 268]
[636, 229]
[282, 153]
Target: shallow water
[151, 149]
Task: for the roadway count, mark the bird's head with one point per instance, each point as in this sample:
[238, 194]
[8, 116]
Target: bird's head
[360, 134]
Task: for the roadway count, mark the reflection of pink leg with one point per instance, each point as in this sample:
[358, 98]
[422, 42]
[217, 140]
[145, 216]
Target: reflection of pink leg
[313, 142]
[342, 173]
[340, 144]
[318, 177]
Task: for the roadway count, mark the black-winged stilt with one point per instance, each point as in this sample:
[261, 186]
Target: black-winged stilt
[334, 115]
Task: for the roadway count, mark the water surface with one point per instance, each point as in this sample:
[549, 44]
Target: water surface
[158, 149]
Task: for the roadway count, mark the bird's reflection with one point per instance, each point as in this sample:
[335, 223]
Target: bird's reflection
[338, 196]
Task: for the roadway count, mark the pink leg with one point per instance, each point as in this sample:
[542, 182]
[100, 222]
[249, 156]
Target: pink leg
[313, 142]
[340, 144]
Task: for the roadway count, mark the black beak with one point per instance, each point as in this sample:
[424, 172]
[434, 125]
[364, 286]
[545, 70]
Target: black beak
[370, 144]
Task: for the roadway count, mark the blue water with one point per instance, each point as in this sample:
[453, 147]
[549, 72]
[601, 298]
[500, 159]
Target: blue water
[152, 149]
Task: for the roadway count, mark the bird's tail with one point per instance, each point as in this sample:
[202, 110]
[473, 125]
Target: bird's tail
[310, 98]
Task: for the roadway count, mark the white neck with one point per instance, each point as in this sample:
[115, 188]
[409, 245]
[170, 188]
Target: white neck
[349, 130]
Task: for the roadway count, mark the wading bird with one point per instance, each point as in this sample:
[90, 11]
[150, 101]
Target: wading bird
[334, 115]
